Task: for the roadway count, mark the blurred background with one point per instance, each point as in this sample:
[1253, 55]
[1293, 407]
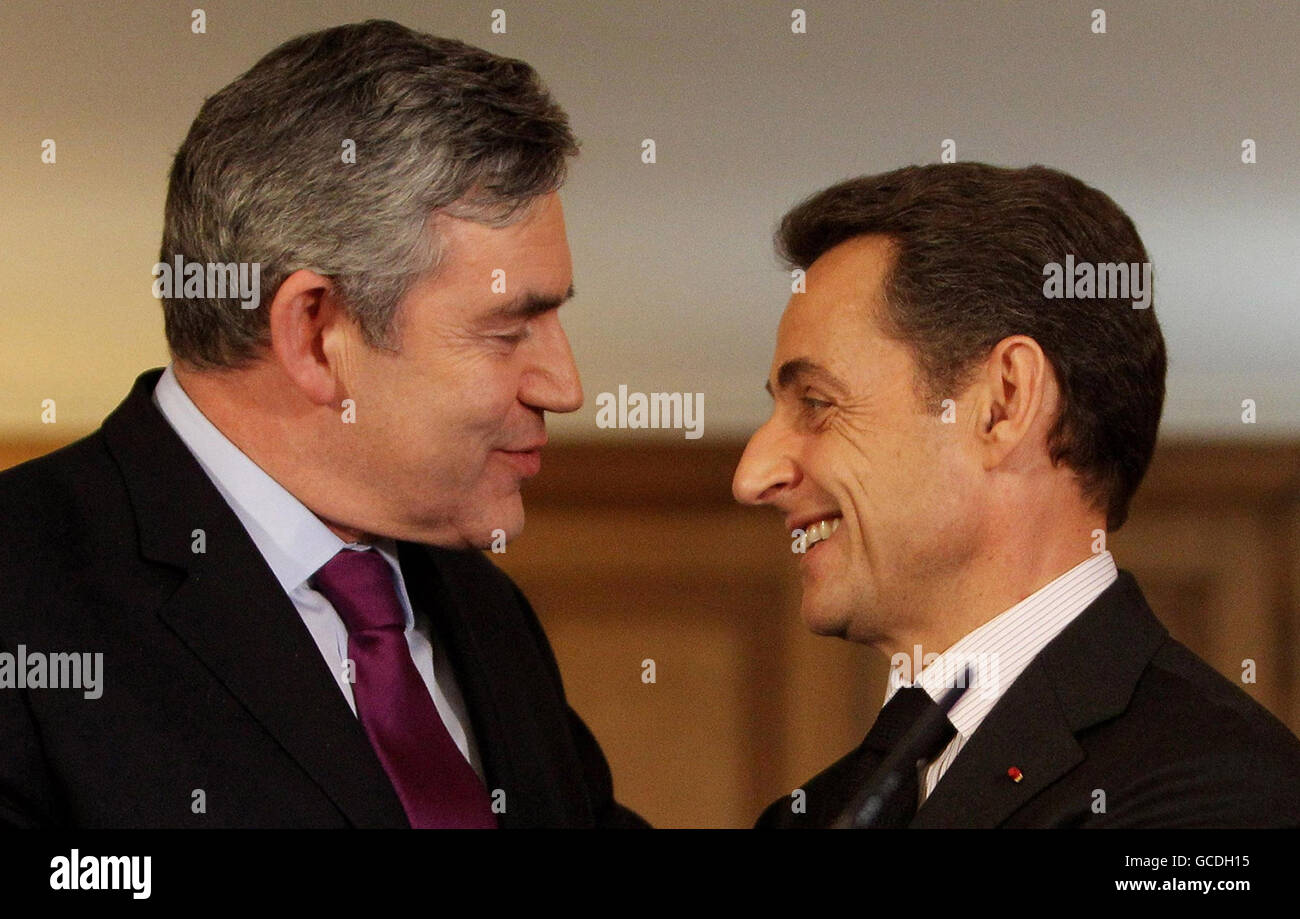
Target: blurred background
[634, 550]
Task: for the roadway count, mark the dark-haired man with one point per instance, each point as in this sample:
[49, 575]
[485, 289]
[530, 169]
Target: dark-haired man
[954, 442]
[273, 542]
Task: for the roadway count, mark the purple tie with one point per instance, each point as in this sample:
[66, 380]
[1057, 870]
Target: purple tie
[435, 783]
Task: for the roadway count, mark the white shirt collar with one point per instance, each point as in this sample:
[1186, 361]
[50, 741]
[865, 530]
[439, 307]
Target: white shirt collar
[293, 540]
[1000, 649]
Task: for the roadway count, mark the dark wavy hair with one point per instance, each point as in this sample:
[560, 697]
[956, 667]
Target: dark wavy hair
[971, 243]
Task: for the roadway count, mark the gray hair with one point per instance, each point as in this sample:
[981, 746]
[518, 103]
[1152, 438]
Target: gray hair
[440, 127]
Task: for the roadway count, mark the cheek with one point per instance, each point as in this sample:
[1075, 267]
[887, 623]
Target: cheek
[484, 392]
[463, 406]
[905, 491]
[873, 477]
[946, 500]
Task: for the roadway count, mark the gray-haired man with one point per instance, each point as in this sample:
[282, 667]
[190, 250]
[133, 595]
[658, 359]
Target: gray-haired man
[273, 540]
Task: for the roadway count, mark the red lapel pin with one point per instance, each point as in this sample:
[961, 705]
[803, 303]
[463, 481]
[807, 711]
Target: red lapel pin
[1015, 774]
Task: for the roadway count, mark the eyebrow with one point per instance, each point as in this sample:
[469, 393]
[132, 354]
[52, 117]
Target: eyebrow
[799, 368]
[527, 305]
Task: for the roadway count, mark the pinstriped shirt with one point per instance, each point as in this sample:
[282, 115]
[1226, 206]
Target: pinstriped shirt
[998, 652]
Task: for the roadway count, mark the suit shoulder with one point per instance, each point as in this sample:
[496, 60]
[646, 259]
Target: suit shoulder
[51, 502]
[1193, 749]
[1200, 697]
[29, 480]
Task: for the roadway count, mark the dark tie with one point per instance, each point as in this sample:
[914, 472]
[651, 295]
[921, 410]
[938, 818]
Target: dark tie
[903, 710]
[433, 780]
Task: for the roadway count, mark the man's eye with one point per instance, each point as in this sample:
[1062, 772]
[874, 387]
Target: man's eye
[811, 405]
[512, 338]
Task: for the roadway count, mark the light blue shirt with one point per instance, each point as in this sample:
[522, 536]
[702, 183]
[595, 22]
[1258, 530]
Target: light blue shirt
[296, 543]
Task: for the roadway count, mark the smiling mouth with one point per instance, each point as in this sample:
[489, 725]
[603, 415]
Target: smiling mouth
[820, 530]
[527, 463]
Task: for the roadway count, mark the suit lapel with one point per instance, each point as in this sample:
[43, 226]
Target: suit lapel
[231, 612]
[520, 724]
[1084, 676]
[1026, 729]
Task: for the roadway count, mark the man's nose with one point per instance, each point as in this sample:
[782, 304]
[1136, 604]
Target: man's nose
[553, 384]
[765, 468]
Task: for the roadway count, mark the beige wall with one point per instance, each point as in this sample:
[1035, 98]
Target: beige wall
[678, 290]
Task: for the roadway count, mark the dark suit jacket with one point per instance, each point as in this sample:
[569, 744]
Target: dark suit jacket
[211, 680]
[1111, 704]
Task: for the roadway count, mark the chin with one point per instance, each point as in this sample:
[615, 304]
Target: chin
[462, 533]
[506, 517]
[823, 618]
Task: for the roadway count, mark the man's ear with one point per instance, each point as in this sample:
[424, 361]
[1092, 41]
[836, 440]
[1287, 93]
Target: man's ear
[309, 329]
[1015, 395]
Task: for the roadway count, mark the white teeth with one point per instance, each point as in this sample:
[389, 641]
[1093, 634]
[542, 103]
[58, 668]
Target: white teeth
[820, 530]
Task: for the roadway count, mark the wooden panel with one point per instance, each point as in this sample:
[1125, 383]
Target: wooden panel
[1212, 540]
[690, 594]
[636, 551]
[13, 452]
[1289, 622]
[746, 702]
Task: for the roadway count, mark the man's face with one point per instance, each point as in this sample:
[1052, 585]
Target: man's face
[849, 443]
[452, 424]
